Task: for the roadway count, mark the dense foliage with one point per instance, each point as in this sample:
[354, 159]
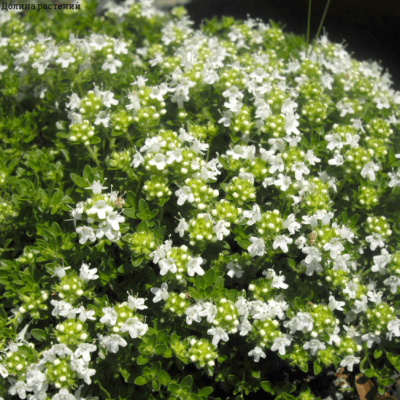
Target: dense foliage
[191, 214]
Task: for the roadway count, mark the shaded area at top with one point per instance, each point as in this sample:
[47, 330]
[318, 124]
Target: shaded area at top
[371, 28]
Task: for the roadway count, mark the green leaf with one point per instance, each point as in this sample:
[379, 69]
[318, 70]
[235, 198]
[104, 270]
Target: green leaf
[164, 378]
[156, 385]
[39, 334]
[88, 173]
[173, 388]
[267, 386]
[141, 360]
[354, 219]
[377, 353]
[140, 381]
[3, 314]
[317, 368]
[144, 211]
[209, 277]
[160, 348]
[219, 283]
[187, 381]
[131, 199]
[129, 212]
[79, 181]
[369, 373]
[244, 244]
[199, 282]
[205, 391]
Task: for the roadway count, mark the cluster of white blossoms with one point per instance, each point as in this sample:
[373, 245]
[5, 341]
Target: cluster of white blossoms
[280, 164]
[102, 212]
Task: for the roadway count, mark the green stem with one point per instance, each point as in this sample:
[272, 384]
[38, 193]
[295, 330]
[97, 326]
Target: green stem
[93, 155]
[308, 25]
[323, 19]
[321, 24]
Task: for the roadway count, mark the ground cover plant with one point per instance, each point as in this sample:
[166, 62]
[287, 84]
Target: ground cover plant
[191, 213]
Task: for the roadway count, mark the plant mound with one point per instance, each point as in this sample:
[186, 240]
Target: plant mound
[191, 213]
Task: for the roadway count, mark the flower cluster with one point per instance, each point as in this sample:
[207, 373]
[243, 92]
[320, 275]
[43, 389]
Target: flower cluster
[260, 207]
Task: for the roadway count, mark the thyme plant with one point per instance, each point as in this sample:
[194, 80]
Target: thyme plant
[191, 213]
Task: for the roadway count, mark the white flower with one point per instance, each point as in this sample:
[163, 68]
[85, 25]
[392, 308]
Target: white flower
[63, 394]
[167, 264]
[35, 379]
[344, 108]
[235, 270]
[334, 141]
[335, 305]
[393, 282]
[110, 316]
[381, 261]
[136, 303]
[291, 225]
[335, 247]
[137, 160]
[336, 160]
[3, 371]
[111, 64]
[313, 253]
[101, 208]
[394, 327]
[199, 147]
[60, 271]
[375, 240]
[349, 362]
[87, 274]
[86, 314]
[360, 305]
[257, 248]
[218, 334]
[257, 353]
[134, 327]
[283, 182]
[193, 313]
[277, 164]
[226, 118]
[299, 168]
[291, 123]
[87, 234]
[113, 218]
[394, 179]
[370, 169]
[159, 161]
[280, 344]
[375, 297]
[311, 158]
[282, 242]
[105, 228]
[371, 338]
[103, 117]
[84, 350]
[210, 311]
[381, 101]
[85, 373]
[160, 294]
[113, 342]
[184, 193]
[351, 289]
[60, 350]
[299, 322]
[314, 345]
[182, 227]
[254, 215]
[193, 266]
[220, 229]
